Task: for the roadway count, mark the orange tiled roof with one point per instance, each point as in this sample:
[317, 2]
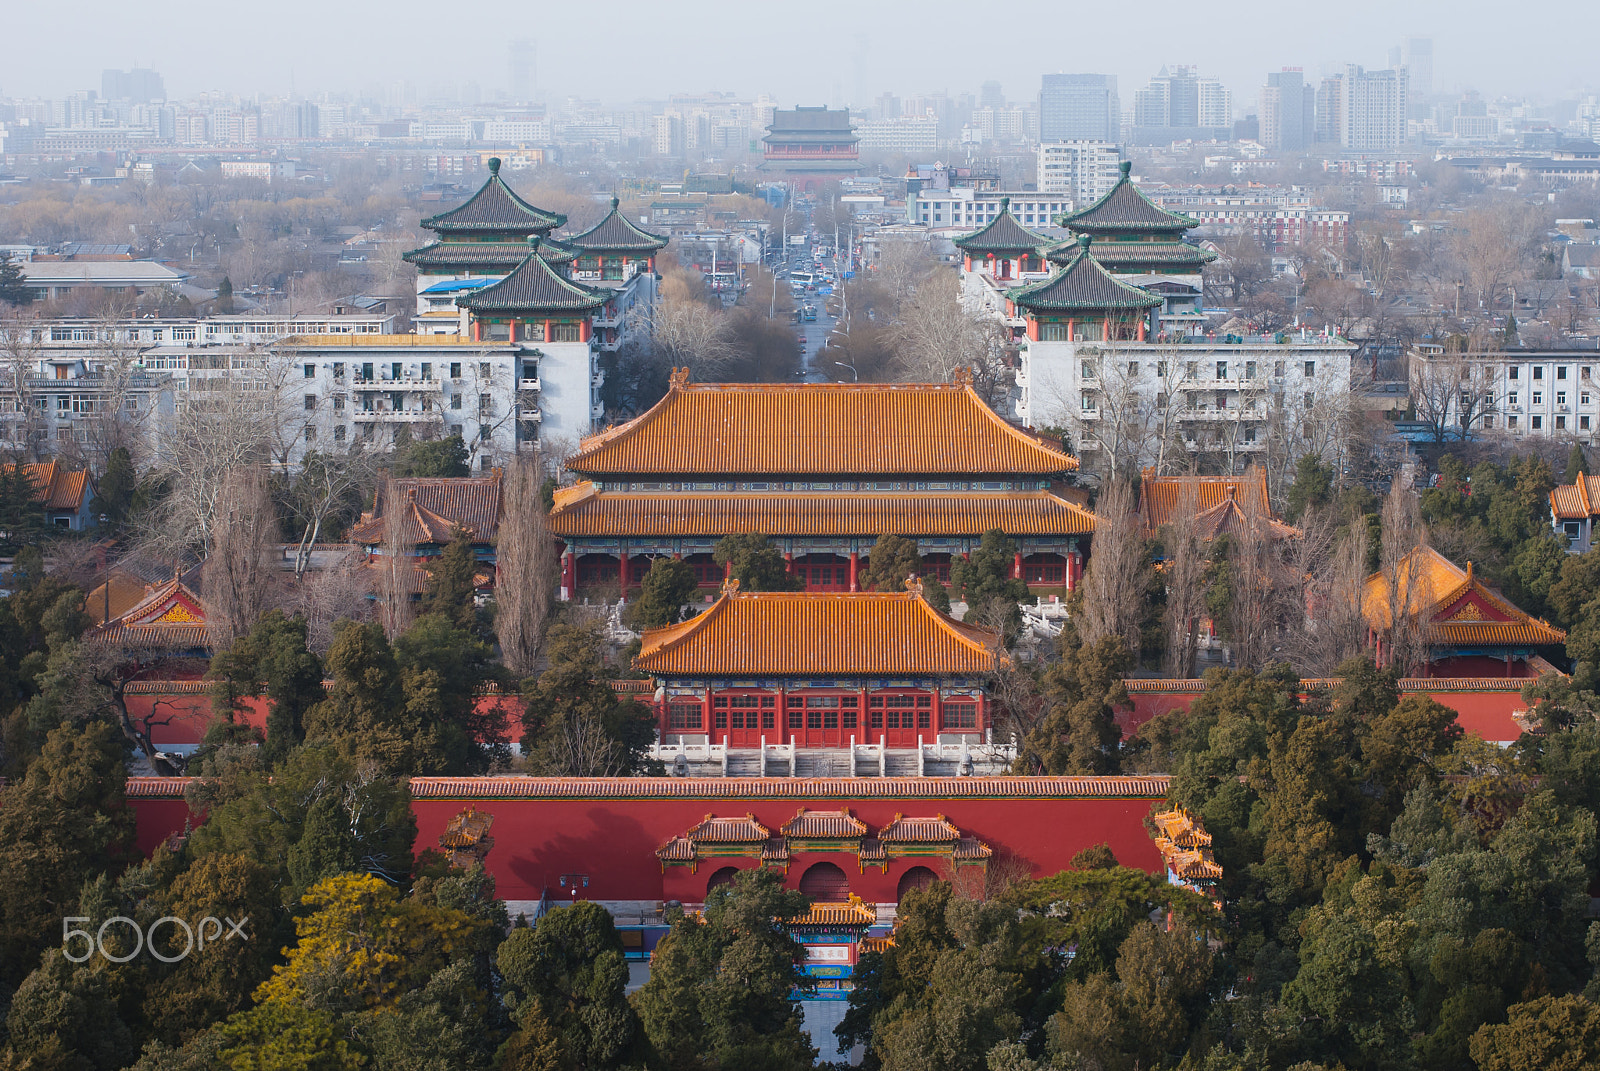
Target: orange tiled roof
[830, 428]
[1219, 501]
[1575, 501]
[435, 506]
[54, 487]
[776, 850]
[852, 912]
[677, 850]
[582, 511]
[1152, 786]
[1460, 609]
[813, 634]
[1180, 827]
[716, 830]
[1185, 846]
[125, 592]
[170, 616]
[875, 944]
[872, 850]
[823, 824]
[971, 848]
[903, 830]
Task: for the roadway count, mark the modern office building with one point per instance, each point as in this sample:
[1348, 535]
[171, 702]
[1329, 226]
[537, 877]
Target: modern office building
[1288, 111]
[1079, 107]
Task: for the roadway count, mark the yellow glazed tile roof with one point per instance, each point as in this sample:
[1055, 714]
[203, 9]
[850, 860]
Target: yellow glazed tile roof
[814, 634]
[903, 830]
[818, 428]
[823, 824]
[581, 510]
[852, 912]
[1460, 609]
[1575, 501]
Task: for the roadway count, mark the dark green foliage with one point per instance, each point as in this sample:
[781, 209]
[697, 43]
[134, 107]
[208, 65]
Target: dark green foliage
[1083, 690]
[985, 582]
[14, 288]
[432, 457]
[719, 994]
[573, 723]
[272, 660]
[117, 489]
[755, 563]
[21, 516]
[893, 558]
[63, 824]
[1499, 517]
[568, 975]
[666, 588]
[1577, 465]
[1312, 487]
[451, 586]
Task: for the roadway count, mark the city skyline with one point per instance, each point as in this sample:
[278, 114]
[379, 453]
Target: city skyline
[878, 52]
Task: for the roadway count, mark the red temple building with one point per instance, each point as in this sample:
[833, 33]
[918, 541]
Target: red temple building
[823, 469]
[810, 147]
[821, 671]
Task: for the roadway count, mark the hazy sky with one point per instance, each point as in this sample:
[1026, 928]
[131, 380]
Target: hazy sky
[800, 52]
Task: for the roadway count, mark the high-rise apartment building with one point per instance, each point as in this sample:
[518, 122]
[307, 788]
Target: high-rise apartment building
[1288, 111]
[522, 69]
[1372, 109]
[1074, 107]
[1082, 170]
[1180, 103]
[140, 84]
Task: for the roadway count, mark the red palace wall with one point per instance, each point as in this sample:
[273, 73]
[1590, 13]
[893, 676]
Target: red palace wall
[1041, 823]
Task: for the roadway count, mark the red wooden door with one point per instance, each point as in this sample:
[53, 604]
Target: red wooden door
[742, 720]
[898, 719]
[824, 720]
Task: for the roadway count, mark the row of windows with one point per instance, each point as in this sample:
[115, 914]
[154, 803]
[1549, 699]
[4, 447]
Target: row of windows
[367, 370]
[1515, 371]
[822, 712]
[1191, 369]
[1537, 423]
[1512, 398]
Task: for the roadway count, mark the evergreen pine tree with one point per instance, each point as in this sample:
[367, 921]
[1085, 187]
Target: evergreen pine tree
[668, 585]
[893, 558]
[225, 296]
[451, 588]
[14, 288]
[1576, 465]
[755, 563]
[116, 489]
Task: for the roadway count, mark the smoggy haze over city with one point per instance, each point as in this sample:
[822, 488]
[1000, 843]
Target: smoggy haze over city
[826, 51]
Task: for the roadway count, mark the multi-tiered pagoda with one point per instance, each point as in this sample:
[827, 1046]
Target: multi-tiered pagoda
[824, 470]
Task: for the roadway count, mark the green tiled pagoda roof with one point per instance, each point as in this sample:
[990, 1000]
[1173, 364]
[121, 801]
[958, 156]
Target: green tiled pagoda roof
[495, 207]
[1125, 209]
[485, 255]
[1082, 285]
[1002, 234]
[616, 234]
[534, 285]
[1125, 256]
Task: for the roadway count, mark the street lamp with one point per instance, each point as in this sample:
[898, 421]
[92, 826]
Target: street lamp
[855, 376]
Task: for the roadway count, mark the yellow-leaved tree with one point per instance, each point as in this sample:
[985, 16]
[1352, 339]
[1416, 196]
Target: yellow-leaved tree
[362, 946]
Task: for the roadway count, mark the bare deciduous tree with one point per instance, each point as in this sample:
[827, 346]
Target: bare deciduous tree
[1183, 574]
[236, 571]
[1113, 584]
[1406, 584]
[340, 592]
[1453, 390]
[1253, 575]
[397, 569]
[525, 569]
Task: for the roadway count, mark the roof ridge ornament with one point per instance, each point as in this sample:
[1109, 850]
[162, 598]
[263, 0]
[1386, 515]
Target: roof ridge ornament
[914, 586]
[962, 377]
[1127, 168]
[730, 586]
[678, 377]
[494, 165]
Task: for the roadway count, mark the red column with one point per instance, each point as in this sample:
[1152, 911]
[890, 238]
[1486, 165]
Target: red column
[1016, 566]
[569, 575]
[547, 331]
[855, 561]
[477, 331]
[583, 330]
[622, 570]
[1033, 329]
[512, 329]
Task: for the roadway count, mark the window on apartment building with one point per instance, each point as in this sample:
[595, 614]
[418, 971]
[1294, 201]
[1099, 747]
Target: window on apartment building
[1277, 368]
[1311, 368]
[1561, 371]
[1250, 370]
[1538, 371]
[1161, 368]
[1511, 398]
[1133, 368]
[1561, 397]
[1161, 399]
[455, 429]
[338, 403]
[311, 433]
[1514, 372]
[427, 370]
[1583, 398]
[311, 371]
[1488, 422]
[338, 370]
[1583, 423]
[1584, 371]
[485, 404]
[485, 431]
[455, 369]
[1249, 435]
[338, 433]
[1311, 399]
[311, 401]
[1511, 422]
[1538, 422]
[483, 369]
[1538, 397]
[1222, 369]
[1561, 423]
[1087, 402]
[1091, 369]
[455, 401]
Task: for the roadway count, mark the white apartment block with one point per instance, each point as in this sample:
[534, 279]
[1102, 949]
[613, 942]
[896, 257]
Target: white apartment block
[965, 208]
[1083, 171]
[1551, 394]
[1279, 217]
[1373, 109]
[1231, 399]
[909, 135]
